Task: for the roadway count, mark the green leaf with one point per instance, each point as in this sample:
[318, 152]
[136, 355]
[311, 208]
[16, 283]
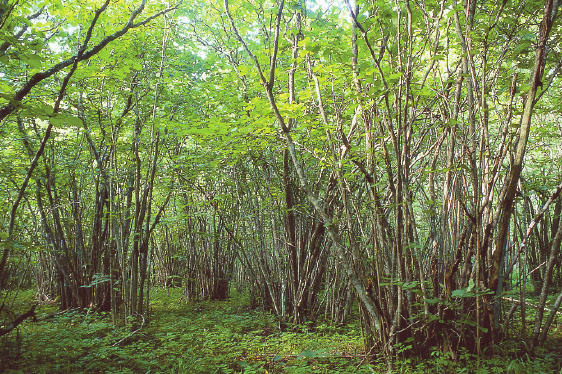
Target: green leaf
[31, 59]
[460, 293]
[308, 354]
[61, 119]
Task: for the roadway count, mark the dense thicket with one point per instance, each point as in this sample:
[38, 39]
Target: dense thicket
[404, 156]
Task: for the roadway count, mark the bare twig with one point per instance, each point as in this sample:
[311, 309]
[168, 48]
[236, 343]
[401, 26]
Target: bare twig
[131, 334]
[526, 303]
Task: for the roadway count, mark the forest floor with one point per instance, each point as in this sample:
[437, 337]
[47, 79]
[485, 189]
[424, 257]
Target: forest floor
[218, 337]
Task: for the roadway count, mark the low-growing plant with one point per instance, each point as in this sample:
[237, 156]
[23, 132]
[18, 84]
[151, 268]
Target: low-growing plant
[224, 337]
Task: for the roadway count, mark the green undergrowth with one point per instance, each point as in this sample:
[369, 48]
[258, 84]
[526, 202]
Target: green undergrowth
[214, 337]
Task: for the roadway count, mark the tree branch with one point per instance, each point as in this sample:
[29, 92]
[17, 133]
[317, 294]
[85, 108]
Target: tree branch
[81, 55]
[12, 325]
